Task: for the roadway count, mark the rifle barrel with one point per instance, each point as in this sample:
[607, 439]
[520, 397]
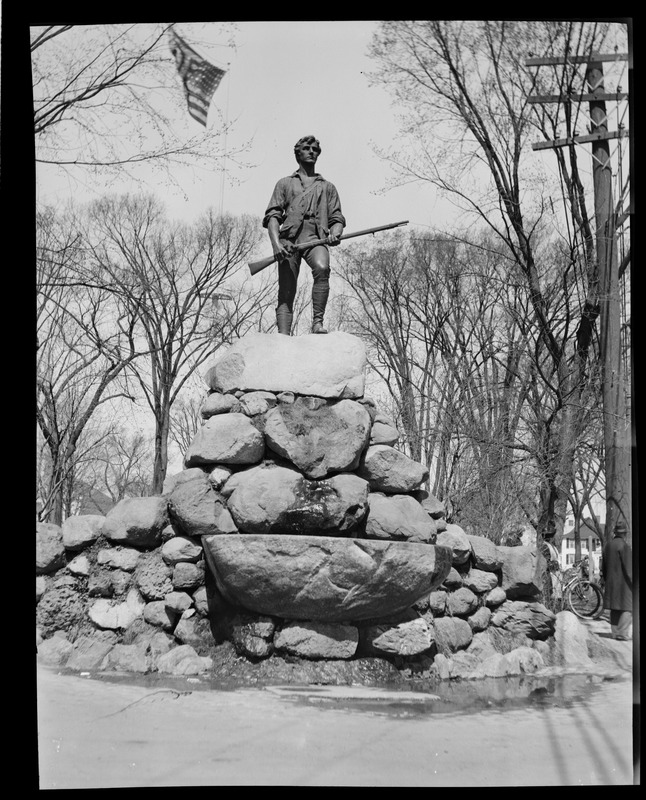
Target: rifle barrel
[265, 262]
[373, 230]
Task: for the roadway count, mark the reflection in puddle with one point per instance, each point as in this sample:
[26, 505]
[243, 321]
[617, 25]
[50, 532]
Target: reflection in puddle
[453, 697]
[458, 697]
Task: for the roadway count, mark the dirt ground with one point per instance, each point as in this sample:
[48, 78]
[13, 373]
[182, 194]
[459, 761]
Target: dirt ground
[97, 734]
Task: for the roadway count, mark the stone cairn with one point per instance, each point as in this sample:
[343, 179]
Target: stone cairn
[297, 530]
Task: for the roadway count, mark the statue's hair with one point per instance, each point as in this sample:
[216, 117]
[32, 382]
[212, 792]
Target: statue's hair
[306, 140]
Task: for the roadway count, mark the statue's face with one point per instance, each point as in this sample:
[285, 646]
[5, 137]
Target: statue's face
[308, 152]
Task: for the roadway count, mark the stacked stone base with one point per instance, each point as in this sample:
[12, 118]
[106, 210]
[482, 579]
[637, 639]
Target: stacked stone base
[110, 605]
[297, 534]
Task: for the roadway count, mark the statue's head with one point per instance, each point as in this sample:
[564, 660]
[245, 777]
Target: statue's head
[305, 145]
[621, 529]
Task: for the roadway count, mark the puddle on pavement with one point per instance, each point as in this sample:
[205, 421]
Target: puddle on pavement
[455, 697]
[452, 697]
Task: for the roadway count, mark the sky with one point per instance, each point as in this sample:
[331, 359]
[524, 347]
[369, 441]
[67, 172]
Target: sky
[285, 80]
[290, 79]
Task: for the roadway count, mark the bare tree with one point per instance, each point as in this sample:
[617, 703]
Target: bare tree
[434, 315]
[121, 467]
[81, 351]
[165, 276]
[466, 93]
[108, 101]
[186, 417]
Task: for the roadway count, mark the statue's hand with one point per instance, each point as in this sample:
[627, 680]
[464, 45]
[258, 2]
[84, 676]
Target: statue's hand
[334, 238]
[283, 249]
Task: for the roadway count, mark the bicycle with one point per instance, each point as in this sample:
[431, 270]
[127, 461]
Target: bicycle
[579, 594]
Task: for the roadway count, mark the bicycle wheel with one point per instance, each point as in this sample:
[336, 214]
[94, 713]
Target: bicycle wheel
[584, 599]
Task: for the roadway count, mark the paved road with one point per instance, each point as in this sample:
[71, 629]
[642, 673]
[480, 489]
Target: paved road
[94, 734]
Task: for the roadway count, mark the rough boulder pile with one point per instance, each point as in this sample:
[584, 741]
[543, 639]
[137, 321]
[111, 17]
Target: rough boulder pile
[305, 508]
[297, 530]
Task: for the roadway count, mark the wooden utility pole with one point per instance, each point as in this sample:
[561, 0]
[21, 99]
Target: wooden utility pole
[616, 410]
[616, 398]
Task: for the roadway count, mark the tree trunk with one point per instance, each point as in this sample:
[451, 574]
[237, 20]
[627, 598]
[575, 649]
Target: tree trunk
[160, 465]
[57, 485]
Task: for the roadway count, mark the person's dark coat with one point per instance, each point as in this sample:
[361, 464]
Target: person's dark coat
[617, 572]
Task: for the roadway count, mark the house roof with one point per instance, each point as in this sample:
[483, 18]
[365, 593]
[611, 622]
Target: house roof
[586, 529]
[92, 501]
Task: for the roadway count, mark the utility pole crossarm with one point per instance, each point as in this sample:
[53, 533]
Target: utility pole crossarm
[591, 137]
[615, 389]
[587, 96]
[593, 58]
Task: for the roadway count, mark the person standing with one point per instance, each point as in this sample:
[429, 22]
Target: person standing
[617, 572]
[303, 207]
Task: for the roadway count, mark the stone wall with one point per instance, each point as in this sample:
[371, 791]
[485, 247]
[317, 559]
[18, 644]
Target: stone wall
[297, 531]
[130, 592]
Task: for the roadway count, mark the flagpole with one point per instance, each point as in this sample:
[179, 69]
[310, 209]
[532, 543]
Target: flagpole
[224, 160]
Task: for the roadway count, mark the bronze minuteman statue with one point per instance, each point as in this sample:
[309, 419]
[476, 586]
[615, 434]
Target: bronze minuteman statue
[303, 207]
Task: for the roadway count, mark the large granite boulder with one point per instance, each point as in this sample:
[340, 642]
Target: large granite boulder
[571, 641]
[254, 403]
[181, 548]
[317, 640]
[522, 571]
[111, 615]
[485, 554]
[408, 638]
[390, 470]
[183, 660]
[50, 550]
[60, 608]
[437, 602]
[80, 531]
[461, 602]
[128, 658]
[196, 507]
[433, 507]
[465, 665]
[193, 629]
[218, 403]
[455, 538]
[121, 558]
[137, 521]
[532, 619]
[398, 516]
[318, 437]
[253, 636]
[384, 430]
[55, 650]
[495, 597]
[329, 579]
[276, 499]
[452, 634]
[480, 581]
[89, 654]
[226, 439]
[79, 565]
[329, 366]
[157, 613]
[480, 619]
[153, 577]
[187, 576]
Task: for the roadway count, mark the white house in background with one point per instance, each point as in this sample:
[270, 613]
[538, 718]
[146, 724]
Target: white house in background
[591, 544]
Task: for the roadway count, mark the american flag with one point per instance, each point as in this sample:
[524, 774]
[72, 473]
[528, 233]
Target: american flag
[200, 78]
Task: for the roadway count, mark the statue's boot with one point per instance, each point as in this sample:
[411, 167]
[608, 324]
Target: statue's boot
[284, 321]
[317, 326]
[319, 302]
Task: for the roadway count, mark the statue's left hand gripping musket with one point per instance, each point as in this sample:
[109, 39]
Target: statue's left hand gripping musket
[257, 266]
